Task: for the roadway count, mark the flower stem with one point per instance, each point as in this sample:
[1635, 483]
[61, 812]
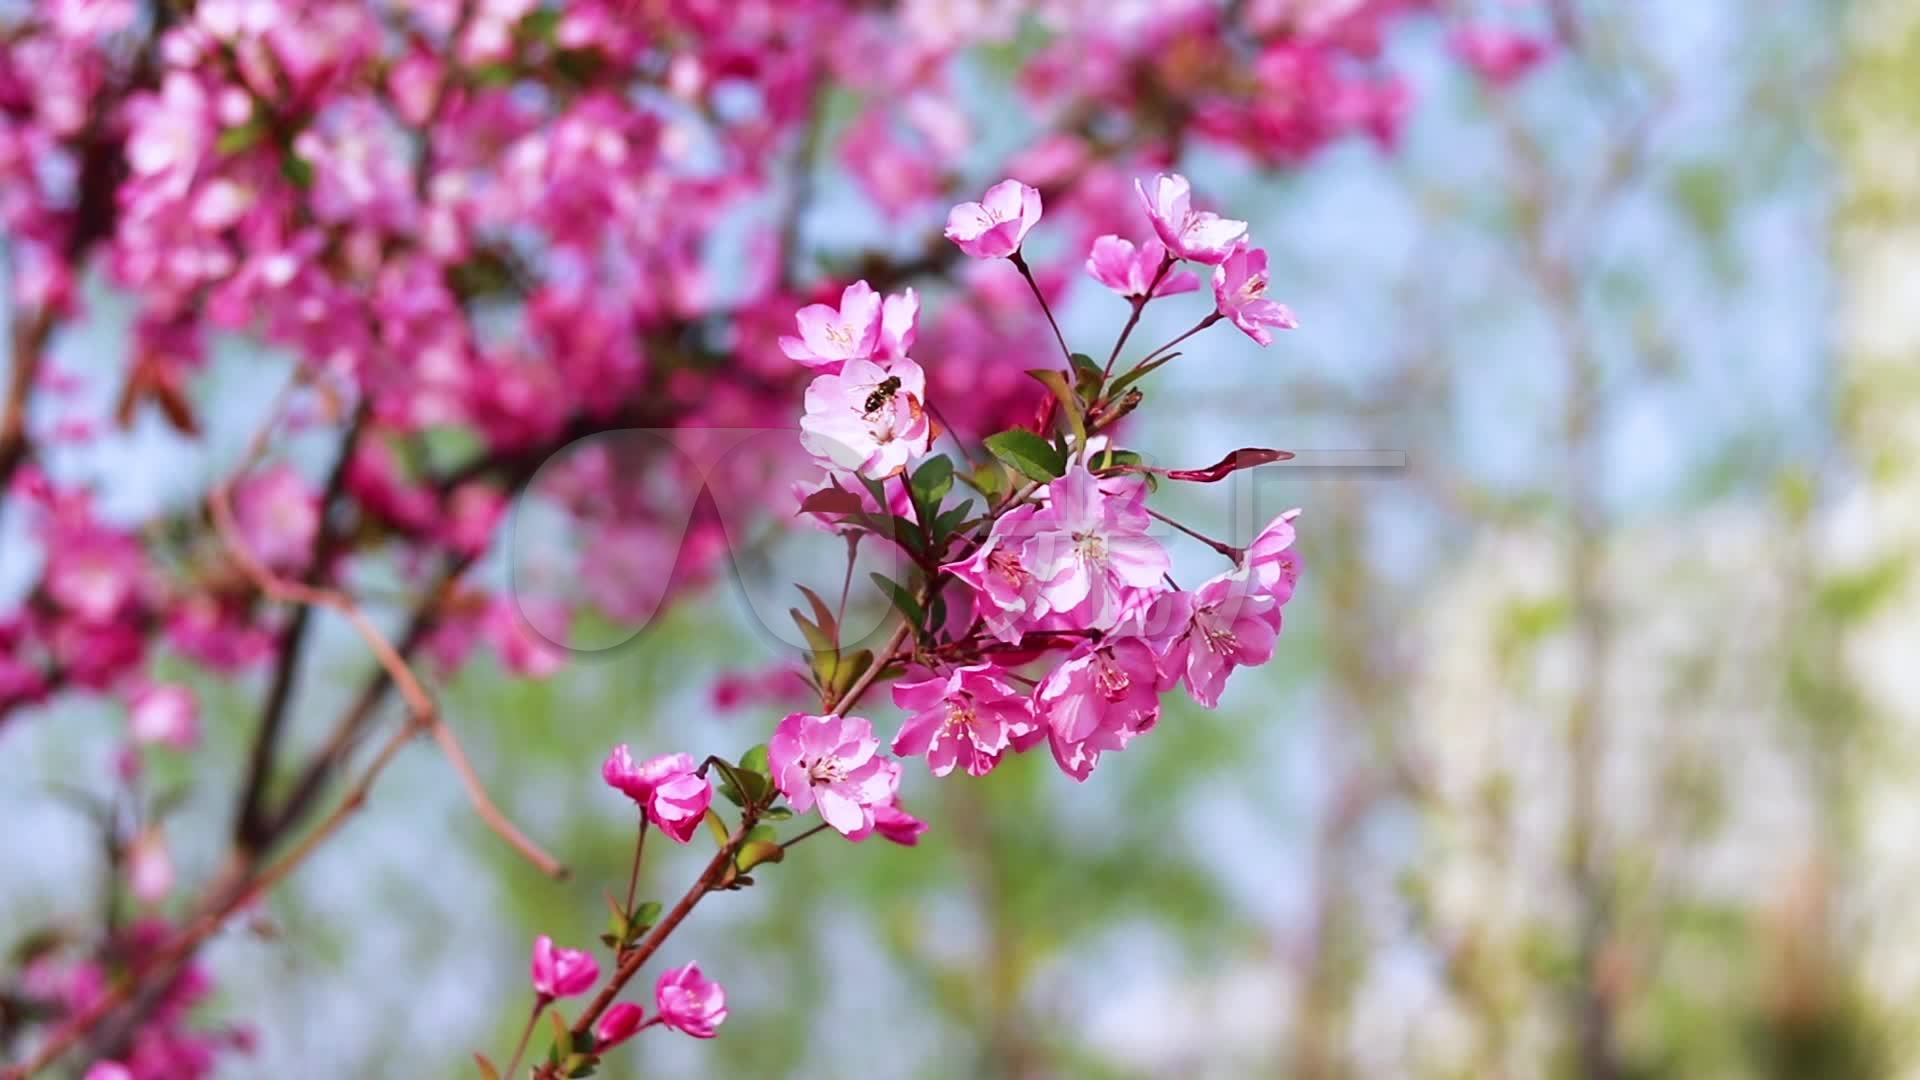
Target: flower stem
[1027, 272]
[1139, 305]
[1197, 327]
[526, 1035]
[789, 843]
[1226, 549]
[633, 875]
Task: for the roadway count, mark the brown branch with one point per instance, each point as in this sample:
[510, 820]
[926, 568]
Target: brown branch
[419, 702]
[251, 832]
[30, 334]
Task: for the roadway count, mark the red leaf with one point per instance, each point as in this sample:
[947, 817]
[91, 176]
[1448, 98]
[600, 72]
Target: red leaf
[1244, 458]
[831, 500]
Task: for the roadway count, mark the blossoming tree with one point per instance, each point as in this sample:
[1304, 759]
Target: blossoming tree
[465, 235]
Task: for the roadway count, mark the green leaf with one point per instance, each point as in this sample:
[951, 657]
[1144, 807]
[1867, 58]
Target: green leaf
[902, 599]
[755, 760]
[826, 655]
[297, 170]
[721, 834]
[1056, 381]
[1087, 376]
[487, 1068]
[949, 521]
[931, 482]
[235, 139]
[561, 1035]
[645, 916]
[777, 813]
[754, 852]
[990, 479]
[1138, 373]
[822, 615]
[742, 787]
[852, 666]
[540, 23]
[1034, 457]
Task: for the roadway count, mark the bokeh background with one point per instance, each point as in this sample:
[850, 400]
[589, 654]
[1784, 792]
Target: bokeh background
[1593, 743]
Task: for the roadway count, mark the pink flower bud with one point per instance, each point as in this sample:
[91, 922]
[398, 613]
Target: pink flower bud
[618, 1025]
[165, 714]
[559, 973]
[673, 796]
[149, 868]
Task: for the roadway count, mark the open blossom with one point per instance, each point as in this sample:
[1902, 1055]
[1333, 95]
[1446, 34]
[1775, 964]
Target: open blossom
[617, 1025]
[997, 571]
[867, 418]
[1226, 627]
[278, 513]
[559, 973]
[108, 1070]
[1240, 290]
[994, 227]
[673, 796]
[834, 762]
[829, 336]
[690, 1002]
[966, 717]
[1092, 554]
[1199, 235]
[1128, 270]
[1099, 699]
[164, 714]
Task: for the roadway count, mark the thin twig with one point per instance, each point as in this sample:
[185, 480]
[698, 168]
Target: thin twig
[1027, 272]
[176, 951]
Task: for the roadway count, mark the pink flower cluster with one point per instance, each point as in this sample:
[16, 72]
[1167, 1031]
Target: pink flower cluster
[1069, 576]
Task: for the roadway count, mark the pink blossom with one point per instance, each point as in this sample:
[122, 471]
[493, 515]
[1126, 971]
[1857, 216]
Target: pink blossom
[1240, 290]
[170, 130]
[964, 718]
[1500, 56]
[1271, 559]
[898, 314]
[994, 227]
[1226, 627]
[667, 788]
[93, 573]
[90, 18]
[1091, 551]
[1099, 699]
[166, 714]
[1007, 587]
[690, 1002]
[108, 1070]
[1127, 270]
[893, 823]
[1199, 235]
[868, 418]
[278, 513]
[617, 1025]
[833, 761]
[559, 973]
[149, 867]
[526, 650]
[829, 337]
